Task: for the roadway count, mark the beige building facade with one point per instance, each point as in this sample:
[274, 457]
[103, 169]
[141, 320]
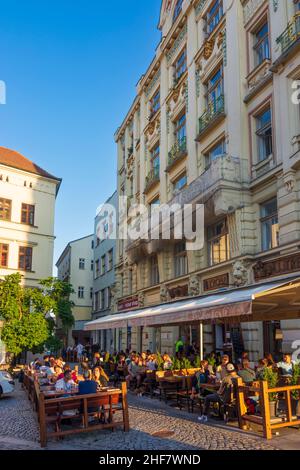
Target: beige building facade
[76, 266]
[216, 121]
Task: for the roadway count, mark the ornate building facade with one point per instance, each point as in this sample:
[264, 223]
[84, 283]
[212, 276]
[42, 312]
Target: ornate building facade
[215, 120]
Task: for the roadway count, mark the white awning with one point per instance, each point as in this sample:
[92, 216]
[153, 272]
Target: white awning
[237, 304]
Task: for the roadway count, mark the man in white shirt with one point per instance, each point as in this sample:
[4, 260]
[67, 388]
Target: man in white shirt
[66, 383]
[79, 349]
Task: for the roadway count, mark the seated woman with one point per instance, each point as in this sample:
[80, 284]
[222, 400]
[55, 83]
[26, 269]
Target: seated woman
[201, 377]
[167, 362]
[100, 377]
[262, 366]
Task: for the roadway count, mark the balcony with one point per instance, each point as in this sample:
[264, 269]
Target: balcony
[177, 152]
[152, 178]
[290, 35]
[212, 115]
[130, 151]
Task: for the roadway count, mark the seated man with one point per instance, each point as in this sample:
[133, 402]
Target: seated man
[87, 386]
[134, 370]
[220, 395]
[65, 384]
[286, 366]
[221, 371]
[246, 373]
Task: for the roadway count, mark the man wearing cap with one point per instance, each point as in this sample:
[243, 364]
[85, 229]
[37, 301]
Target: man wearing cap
[219, 396]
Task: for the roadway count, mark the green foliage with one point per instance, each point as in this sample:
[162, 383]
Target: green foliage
[160, 361]
[53, 344]
[197, 362]
[295, 380]
[24, 312]
[272, 378]
[176, 364]
[186, 363]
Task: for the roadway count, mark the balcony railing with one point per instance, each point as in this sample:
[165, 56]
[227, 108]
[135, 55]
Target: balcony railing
[215, 109]
[152, 178]
[290, 34]
[177, 151]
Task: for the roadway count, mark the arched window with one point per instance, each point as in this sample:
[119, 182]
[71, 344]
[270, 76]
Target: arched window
[178, 9]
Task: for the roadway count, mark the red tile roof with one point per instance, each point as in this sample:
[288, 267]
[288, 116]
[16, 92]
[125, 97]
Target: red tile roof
[16, 160]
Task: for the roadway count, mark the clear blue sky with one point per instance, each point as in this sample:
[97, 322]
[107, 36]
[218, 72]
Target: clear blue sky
[70, 68]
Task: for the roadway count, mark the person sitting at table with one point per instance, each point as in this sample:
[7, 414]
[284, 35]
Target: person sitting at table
[286, 366]
[134, 370]
[201, 377]
[262, 366]
[246, 373]
[65, 384]
[270, 360]
[100, 377]
[221, 370]
[88, 385]
[151, 364]
[167, 365]
[57, 373]
[221, 395]
[65, 368]
[60, 362]
[97, 359]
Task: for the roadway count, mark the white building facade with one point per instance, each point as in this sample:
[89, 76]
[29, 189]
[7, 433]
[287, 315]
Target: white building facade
[216, 120]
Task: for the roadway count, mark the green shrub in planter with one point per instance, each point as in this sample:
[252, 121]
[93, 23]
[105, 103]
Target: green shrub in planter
[272, 378]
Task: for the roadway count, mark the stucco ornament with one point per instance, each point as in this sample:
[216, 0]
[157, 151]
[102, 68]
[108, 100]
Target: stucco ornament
[141, 299]
[194, 286]
[164, 293]
[240, 273]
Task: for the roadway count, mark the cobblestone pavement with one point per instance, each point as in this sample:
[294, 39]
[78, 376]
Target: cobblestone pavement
[182, 431]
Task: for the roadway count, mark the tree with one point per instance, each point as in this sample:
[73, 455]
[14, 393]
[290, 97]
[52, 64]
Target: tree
[24, 311]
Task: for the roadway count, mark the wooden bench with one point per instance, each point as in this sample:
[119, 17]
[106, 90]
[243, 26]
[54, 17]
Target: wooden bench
[78, 410]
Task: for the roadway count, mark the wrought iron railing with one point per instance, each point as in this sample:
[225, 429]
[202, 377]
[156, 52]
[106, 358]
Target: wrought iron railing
[290, 34]
[214, 109]
[177, 151]
[152, 177]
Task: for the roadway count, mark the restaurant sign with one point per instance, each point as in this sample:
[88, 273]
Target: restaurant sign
[217, 282]
[286, 265]
[128, 304]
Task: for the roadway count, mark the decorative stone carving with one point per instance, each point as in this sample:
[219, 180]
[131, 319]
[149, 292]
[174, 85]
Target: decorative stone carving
[164, 293]
[250, 8]
[289, 180]
[240, 273]
[141, 299]
[194, 286]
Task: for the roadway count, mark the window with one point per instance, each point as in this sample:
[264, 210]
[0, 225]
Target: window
[180, 182]
[218, 243]
[178, 8]
[110, 259]
[3, 255]
[97, 301]
[155, 103]
[261, 45]
[80, 292]
[215, 89]
[81, 263]
[155, 159]
[5, 209]
[180, 129]
[264, 134]
[92, 265]
[180, 66]
[214, 16]
[214, 153]
[130, 281]
[102, 300]
[269, 225]
[103, 265]
[25, 258]
[180, 260]
[154, 271]
[27, 214]
[97, 268]
[91, 292]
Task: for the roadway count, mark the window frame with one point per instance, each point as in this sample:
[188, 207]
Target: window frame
[264, 221]
[4, 252]
[26, 255]
[259, 137]
[180, 260]
[210, 20]
[3, 209]
[29, 211]
[180, 65]
[258, 43]
[215, 237]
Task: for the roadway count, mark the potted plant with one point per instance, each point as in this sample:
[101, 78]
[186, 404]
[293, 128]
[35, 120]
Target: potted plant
[270, 376]
[185, 365]
[295, 380]
[160, 361]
